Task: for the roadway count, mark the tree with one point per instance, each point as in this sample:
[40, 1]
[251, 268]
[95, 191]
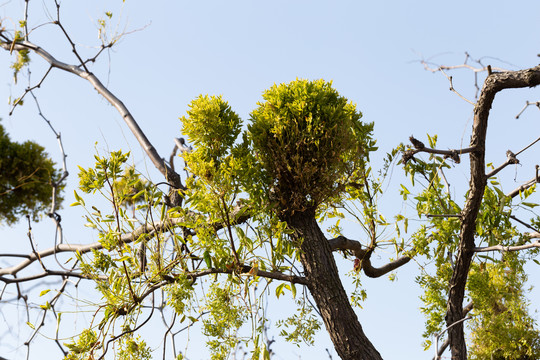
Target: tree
[247, 214]
[27, 178]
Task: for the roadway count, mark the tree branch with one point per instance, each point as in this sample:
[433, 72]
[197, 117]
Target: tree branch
[342, 243]
[512, 194]
[420, 147]
[149, 149]
[503, 248]
[238, 214]
[47, 273]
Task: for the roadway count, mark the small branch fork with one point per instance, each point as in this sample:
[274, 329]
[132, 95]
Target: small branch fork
[479, 67]
[440, 350]
[527, 105]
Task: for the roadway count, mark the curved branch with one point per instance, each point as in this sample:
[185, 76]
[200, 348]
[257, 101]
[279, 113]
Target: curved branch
[342, 243]
[445, 344]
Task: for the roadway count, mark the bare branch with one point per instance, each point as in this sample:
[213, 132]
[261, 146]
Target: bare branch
[528, 226]
[504, 248]
[420, 147]
[152, 153]
[493, 84]
[29, 89]
[527, 104]
[510, 159]
[342, 243]
[512, 194]
[48, 273]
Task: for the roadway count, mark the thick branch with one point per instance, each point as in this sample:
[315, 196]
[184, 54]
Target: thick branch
[342, 243]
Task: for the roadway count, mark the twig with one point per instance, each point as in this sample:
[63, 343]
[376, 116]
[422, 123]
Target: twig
[527, 104]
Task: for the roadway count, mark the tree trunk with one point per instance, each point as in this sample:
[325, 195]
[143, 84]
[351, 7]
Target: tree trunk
[325, 286]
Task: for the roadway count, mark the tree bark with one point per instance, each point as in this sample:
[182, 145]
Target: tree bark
[327, 290]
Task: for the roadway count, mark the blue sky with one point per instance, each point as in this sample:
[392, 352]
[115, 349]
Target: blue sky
[371, 51]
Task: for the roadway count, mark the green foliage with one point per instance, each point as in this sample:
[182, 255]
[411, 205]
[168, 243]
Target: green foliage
[212, 127]
[504, 329]
[179, 294]
[23, 57]
[310, 142]
[133, 349]
[501, 327]
[106, 171]
[224, 321]
[302, 326]
[83, 347]
[130, 187]
[26, 175]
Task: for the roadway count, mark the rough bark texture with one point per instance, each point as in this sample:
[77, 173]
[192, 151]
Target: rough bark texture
[493, 84]
[325, 286]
